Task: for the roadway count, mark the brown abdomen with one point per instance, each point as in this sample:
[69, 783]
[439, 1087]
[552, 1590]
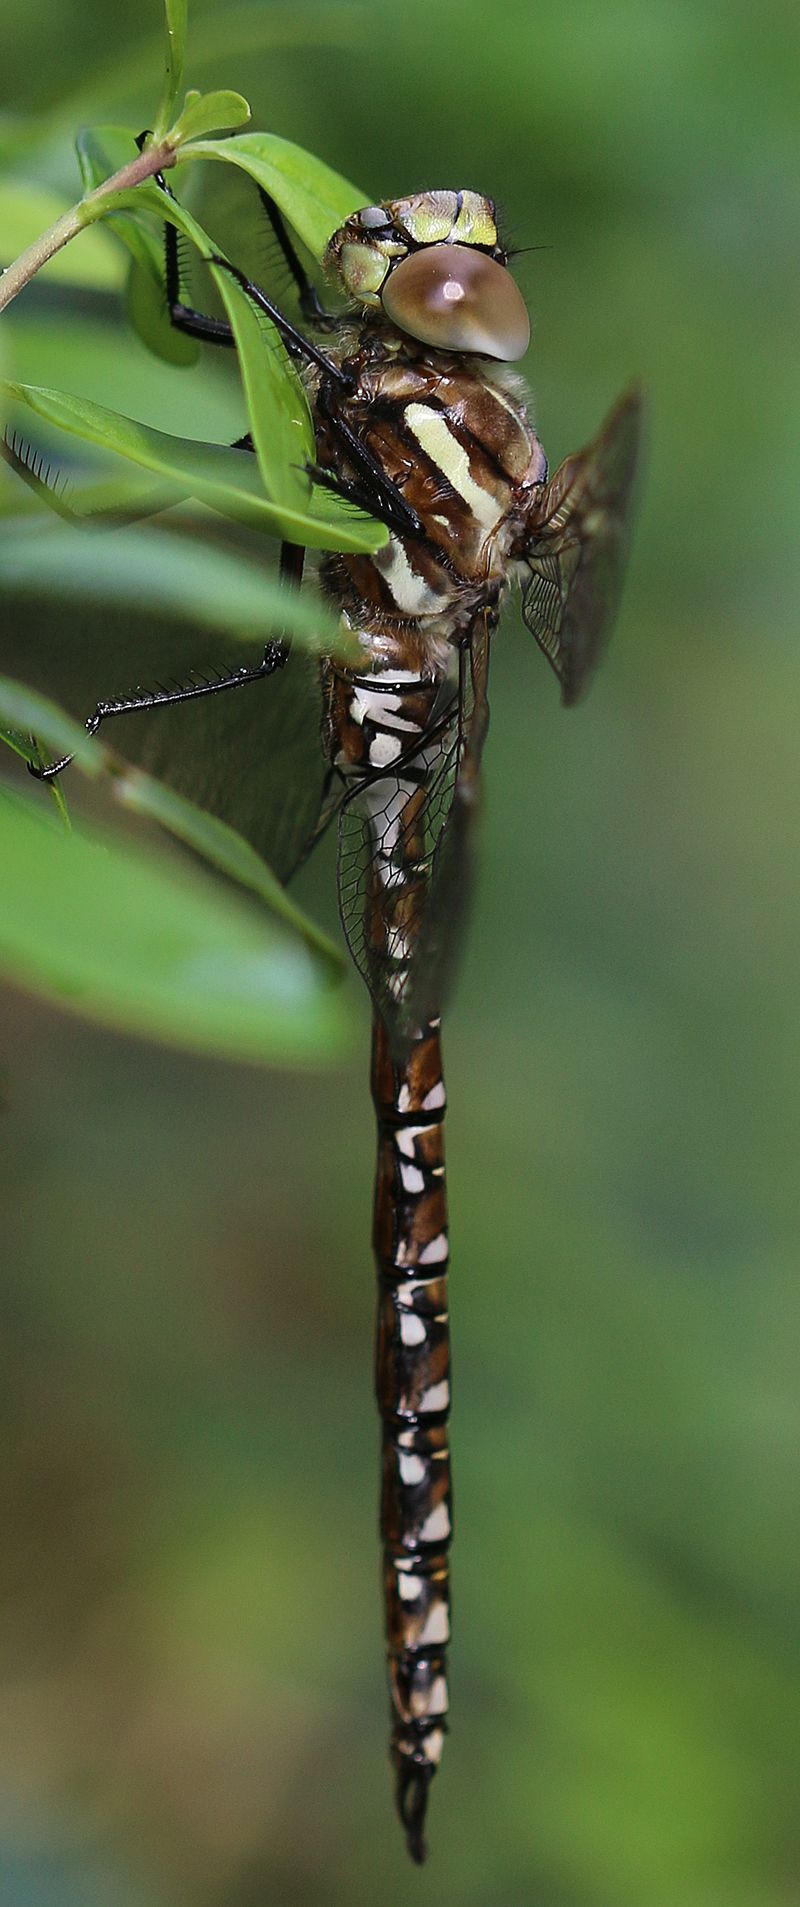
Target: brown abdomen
[413, 1389]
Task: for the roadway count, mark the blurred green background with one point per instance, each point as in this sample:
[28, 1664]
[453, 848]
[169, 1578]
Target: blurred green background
[191, 1696]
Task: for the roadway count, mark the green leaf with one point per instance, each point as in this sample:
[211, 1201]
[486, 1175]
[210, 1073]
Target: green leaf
[283, 433]
[26, 712]
[282, 429]
[314, 199]
[209, 112]
[165, 574]
[99, 361]
[278, 402]
[224, 848]
[91, 262]
[227, 480]
[153, 948]
[113, 499]
[56, 791]
[22, 744]
[280, 420]
[101, 151]
[176, 22]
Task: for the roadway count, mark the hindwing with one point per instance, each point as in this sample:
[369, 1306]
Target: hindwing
[405, 858]
[578, 549]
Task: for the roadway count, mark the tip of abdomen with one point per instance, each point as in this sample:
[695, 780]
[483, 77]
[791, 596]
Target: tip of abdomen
[415, 1761]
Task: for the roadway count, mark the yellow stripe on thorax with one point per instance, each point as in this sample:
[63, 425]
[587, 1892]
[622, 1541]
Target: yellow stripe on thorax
[435, 437]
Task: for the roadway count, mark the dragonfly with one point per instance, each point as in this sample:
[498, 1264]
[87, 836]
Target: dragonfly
[419, 420]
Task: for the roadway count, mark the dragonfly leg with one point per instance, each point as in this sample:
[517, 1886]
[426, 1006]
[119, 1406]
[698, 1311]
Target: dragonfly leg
[217, 330]
[296, 344]
[310, 303]
[184, 318]
[377, 493]
[378, 501]
[274, 657]
[372, 488]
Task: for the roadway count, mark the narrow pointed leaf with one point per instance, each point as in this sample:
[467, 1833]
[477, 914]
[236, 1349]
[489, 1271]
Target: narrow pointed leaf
[175, 22]
[283, 434]
[136, 942]
[330, 522]
[280, 420]
[224, 849]
[56, 791]
[227, 480]
[37, 756]
[165, 574]
[313, 198]
[21, 743]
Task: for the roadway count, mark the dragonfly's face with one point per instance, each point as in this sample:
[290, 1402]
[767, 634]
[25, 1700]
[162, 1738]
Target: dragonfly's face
[434, 264]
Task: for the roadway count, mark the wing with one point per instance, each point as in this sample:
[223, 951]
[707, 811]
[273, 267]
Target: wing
[252, 756]
[406, 854]
[579, 547]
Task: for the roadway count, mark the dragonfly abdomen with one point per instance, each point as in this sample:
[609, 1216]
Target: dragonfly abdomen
[413, 1390]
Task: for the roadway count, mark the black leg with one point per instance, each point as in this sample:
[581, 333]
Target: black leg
[298, 345]
[275, 655]
[309, 298]
[184, 317]
[372, 489]
[397, 516]
[216, 330]
[379, 494]
[293, 556]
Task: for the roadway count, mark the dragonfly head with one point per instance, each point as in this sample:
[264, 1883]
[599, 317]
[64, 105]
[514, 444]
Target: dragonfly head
[435, 265]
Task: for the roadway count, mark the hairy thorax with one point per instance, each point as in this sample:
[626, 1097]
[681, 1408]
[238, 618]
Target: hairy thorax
[457, 443]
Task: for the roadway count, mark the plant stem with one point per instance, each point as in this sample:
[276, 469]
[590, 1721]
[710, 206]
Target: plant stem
[86, 212]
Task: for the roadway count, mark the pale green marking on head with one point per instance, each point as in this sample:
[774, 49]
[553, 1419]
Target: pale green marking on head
[434, 263]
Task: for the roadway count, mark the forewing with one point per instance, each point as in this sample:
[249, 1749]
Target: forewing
[251, 755]
[579, 548]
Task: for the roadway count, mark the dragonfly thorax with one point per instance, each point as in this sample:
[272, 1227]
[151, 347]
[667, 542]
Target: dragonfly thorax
[459, 448]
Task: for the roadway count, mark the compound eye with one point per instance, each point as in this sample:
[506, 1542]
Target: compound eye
[458, 300]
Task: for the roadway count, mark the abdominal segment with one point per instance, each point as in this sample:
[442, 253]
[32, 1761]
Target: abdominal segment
[413, 1390]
